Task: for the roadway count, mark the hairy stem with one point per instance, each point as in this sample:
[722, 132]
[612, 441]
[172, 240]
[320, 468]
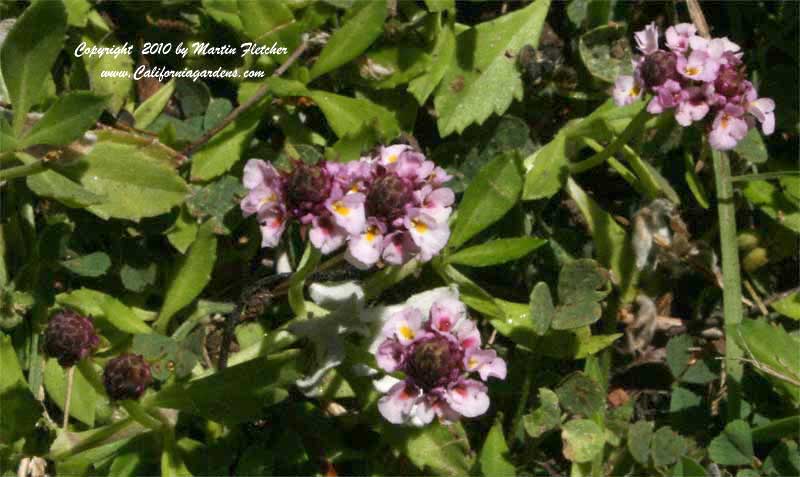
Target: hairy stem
[731, 279]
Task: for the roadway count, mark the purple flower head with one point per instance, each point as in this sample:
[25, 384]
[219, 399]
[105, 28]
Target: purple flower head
[678, 36]
[437, 357]
[307, 188]
[69, 338]
[126, 377]
[658, 67]
[692, 107]
[647, 39]
[667, 96]
[388, 197]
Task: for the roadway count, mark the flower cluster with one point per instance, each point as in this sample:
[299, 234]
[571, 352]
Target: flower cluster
[69, 337]
[390, 207]
[126, 377]
[436, 357]
[696, 77]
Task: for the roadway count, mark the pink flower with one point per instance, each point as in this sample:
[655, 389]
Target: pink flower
[398, 248]
[647, 39]
[348, 212]
[436, 363]
[692, 107]
[626, 90]
[678, 36]
[391, 154]
[699, 66]
[728, 129]
[667, 97]
[762, 109]
[326, 235]
[436, 203]
[272, 225]
[364, 250]
[429, 235]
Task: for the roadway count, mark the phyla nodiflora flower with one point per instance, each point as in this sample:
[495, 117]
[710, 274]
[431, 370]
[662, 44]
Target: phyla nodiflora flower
[439, 356]
[696, 78]
[389, 207]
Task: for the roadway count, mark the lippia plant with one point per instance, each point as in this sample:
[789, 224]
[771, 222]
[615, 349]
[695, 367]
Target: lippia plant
[351, 237]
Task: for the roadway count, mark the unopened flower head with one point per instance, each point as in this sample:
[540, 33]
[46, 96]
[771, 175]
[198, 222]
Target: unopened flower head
[442, 362]
[126, 377]
[69, 337]
[700, 80]
[387, 207]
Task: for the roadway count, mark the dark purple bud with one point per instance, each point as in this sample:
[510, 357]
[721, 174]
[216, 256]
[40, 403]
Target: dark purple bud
[126, 377]
[69, 337]
[388, 196]
[730, 82]
[658, 67]
[307, 187]
[434, 362]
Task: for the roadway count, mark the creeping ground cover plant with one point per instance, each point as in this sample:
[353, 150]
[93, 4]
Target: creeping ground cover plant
[380, 237]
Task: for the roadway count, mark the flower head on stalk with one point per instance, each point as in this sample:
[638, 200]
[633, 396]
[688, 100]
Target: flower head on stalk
[697, 78]
[70, 337]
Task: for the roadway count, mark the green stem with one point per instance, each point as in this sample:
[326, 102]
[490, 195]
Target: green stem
[140, 415]
[22, 171]
[633, 127]
[732, 284]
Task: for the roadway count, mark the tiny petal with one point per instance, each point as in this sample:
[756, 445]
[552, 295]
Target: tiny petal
[398, 248]
[678, 36]
[647, 39]
[364, 250]
[391, 154]
[486, 363]
[348, 212]
[429, 235]
[626, 90]
[389, 356]
[396, 405]
[446, 313]
[468, 398]
[405, 325]
[272, 225]
[326, 235]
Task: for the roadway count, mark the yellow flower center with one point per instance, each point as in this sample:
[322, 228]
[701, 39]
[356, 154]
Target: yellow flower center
[692, 70]
[392, 159]
[472, 363]
[419, 226]
[268, 199]
[407, 332]
[372, 232]
[634, 92]
[724, 121]
[340, 208]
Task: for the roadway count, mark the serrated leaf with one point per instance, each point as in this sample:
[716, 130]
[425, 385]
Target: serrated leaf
[55, 186]
[192, 274]
[678, 354]
[542, 309]
[151, 108]
[136, 181]
[734, 446]
[489, 197]
[483, 77]
[441, 57]
[788, 306]
[546, 170]
[393, 66]
[667, 447]
[494, 456]
[138, 278]
[583, 440]
[91, 265]
[352, 39]
[640, 433]
[184, 231]
[496, 251]
[545, 417]
[28, 52]
[579, 394]
[66, 120]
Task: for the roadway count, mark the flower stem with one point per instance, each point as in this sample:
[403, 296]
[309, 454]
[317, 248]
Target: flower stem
[68, 398]
[630, 130]
[22, 171]
[140, 415]
[731, 279]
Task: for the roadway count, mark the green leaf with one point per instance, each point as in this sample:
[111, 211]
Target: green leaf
[84, 398]
[582, 280]
[117, 87]
[783, 460]
[389, 67]
[640, 434]
[496, 252]
[774, 202]
[183, 232]
[77, 12]
[137, 181]
[542, 309]
[751, 148]
[28, 52]
[440, 5]
[215, 200]
[148, 111]
[494, 456]
[545, 417]
[775, 353]
[192, 274]
[262, 19]
[442, 449]
[611, 240]
[687, 467]
[349, 116]
[580, 394]
[91, 265]
[667, 447]
[66, 120]
[546, 169]
[605, 52]
[218, 109]
[678, 354]
[352, 39]
[583, 440]
[250, 387]
[491, 194]
[19, 411]
[308, 263]
[225, 12]
[788, 306]
[441, 57]
[99, 305]
[226, 147]
[54, 185]
[483, 78]
[734, 446]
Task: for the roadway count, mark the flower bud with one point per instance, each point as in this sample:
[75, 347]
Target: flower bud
[307, 187]
[126, 377]
[658, 67]
[730, 82]
[69, 337]
[434, 362]
[388, 196]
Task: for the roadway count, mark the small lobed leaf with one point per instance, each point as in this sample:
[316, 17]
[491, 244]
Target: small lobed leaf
[583, 440]
[580, 394]
[545, 417]
[640, 433]
[542, 309]
[667, 447]
[444, 450]
[494, 455]
[582, 280]
[734, 446]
